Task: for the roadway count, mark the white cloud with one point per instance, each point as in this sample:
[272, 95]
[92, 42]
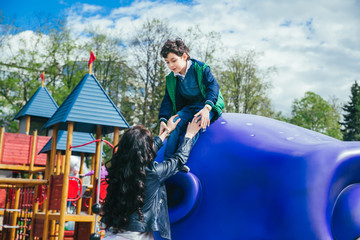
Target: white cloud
[87, 8]
[23, 40]
[313, 44]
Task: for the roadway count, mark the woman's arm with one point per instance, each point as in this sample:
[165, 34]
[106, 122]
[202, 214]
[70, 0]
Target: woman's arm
[158, 143]
[172, 165]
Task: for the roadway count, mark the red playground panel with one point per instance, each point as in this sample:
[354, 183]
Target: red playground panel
[2, 197]
[40, 159]
[16, 149]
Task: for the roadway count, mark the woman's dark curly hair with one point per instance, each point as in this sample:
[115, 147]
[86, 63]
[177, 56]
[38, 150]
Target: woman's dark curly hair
[176, 46]
[126, 177]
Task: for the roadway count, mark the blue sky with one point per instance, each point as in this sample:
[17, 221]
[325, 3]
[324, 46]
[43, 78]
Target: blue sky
[314, 44]
[24, 11]
[28, 10]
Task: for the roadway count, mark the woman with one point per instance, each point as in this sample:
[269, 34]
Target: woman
[136, 201]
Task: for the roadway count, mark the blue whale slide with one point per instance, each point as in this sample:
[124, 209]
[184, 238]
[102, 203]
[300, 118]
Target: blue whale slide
[258, 178]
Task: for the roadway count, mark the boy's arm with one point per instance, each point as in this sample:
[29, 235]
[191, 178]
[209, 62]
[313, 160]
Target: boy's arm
[165, 108]
[212, 87]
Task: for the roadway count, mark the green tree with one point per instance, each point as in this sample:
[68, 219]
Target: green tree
[20, 76]
[244, 87]
[203, 46]
[112, 70]
[150, 71]
[50, 49]
[351, 123]
[61, 59]
[314, 113]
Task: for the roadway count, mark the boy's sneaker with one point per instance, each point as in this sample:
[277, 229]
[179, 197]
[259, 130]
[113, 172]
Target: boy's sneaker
[185, 169]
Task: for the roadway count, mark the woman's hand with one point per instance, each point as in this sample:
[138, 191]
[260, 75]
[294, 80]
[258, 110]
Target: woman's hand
[205, 117]
[171, 125]
[193, 127]
[166, 129]
[163, 128]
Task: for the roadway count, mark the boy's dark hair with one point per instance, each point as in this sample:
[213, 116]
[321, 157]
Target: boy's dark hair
[176, 46]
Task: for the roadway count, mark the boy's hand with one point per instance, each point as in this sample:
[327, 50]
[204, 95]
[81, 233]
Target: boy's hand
[163, 128]
[171, 125]
[205, 117]
[193, 127]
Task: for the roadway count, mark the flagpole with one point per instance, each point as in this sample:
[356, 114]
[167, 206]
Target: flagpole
[43, 79]
[91, 59]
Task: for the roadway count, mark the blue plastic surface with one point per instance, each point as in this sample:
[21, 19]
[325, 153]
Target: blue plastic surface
[346, 215]
[266, 179]
[184, 191]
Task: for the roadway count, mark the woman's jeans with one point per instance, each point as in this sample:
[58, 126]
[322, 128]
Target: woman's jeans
[186, 114]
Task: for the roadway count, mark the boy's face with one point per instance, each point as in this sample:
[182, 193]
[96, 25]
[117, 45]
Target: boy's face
[175, 63]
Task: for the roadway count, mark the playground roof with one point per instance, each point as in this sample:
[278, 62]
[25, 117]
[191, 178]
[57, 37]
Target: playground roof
[79, 138]
[87, 106]
[41, 104]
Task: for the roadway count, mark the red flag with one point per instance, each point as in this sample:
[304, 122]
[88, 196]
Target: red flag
[42, 76]
[92, 58]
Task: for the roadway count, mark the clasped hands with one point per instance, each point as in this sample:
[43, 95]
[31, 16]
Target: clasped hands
[193, 127]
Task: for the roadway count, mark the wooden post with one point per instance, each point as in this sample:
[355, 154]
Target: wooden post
[52, 229]
[53, 149]
[32, 155]
[82, 163]
[46, 173]
[49, 172]
[79, 202]
[53, 222]
[91, 200]
[116, 136]
[27, 129]
[96, 166]
[58, 162]
[15, 214]
[66, 180]
[47, 177]
[2, 131]
[92, 182]
[62, 164]
[57, 228]
[35, 210]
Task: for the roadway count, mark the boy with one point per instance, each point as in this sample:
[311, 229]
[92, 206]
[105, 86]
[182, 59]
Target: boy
[191, 91]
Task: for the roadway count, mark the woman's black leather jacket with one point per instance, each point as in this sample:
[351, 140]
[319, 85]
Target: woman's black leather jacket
[155, 207]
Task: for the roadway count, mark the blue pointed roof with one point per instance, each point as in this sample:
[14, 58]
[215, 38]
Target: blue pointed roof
[41, 104]
[79, 138]
[87, 106]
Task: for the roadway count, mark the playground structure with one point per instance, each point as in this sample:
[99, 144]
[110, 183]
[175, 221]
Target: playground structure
[37, 208]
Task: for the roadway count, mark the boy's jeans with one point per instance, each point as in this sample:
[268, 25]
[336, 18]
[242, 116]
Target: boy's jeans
[186, 115]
